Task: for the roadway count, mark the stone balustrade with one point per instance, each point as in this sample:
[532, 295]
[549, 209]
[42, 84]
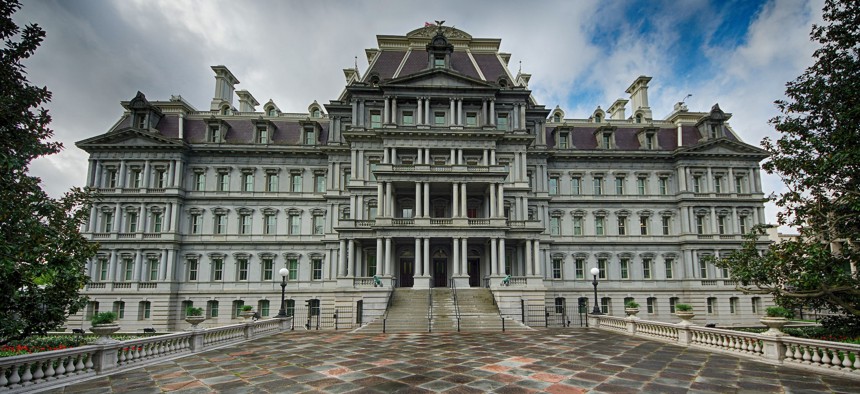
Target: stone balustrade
[46, 370]
[833, 358]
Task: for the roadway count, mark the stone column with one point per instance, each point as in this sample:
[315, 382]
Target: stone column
[452, 120]
[494, 260]
[464, 256]
[420, 114]
[419, 200]
[426, 209]
[361, 113]
[492, 115]
[419, 267]
[484, 116]
[380, 252]
[502, 261]
[389, 199]
[455, 249]
[522, 116]
[713, 220]
[460, 116]
[386, 111]
[389, 267]
[528, 250]
[426, 257]
[538, 262]
[464, 203]
[493, 205]
[112, 266]
[380, 198]
[427, 111]
[394, 110]
[455, 206]
[501, 200]
[350, 259]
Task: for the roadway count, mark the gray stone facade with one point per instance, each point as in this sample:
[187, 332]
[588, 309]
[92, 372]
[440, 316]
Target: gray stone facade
[435, 168]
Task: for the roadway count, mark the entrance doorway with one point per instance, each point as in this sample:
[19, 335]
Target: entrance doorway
[407, 272]
[440, 272]
[474, 269]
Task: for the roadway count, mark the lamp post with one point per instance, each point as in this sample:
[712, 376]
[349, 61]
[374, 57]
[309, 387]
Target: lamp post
[596, 310]
[284, 272]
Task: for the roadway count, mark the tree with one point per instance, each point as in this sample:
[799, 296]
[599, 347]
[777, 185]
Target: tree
[42, 252]
[818, 158]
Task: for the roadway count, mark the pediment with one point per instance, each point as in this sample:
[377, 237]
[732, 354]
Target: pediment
[437, 78]
[724, 147]
[128, 138]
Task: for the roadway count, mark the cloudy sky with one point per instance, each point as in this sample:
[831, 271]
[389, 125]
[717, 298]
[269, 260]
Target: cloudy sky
[581, 54]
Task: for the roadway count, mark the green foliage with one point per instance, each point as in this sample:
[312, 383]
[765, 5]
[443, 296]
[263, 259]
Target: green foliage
[192, 311]
[247, 308]
[103, 318]
[42, 253]
[631, 304]
[848, 326]
[818, 158]
[683, 308]
[778, 311]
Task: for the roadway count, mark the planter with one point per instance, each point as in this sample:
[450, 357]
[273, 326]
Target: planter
[194, 321]
[103, 331]
[774, 325]
[631, 313]
[247, 315]
[685, 317]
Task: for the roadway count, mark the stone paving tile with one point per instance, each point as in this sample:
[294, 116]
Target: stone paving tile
[553, 361]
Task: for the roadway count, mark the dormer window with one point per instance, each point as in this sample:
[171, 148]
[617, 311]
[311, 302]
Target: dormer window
[597, 118]
[502, 122]
[439, 61]
[607, 140]
[273, 112]
[649, 141]
[562, 140]
[140, 121]
[638, 118]
[214, 134]
[556, 118]
[315, 113]
[438, 51]
[262, 135]
[715, 131]
[225, 110]
[375, 119]
[310, 135]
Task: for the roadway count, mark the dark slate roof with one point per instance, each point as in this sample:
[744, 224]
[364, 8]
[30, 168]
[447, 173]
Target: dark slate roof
[241, 131]
[490, 66]
[690, 134]
[461, 63]
[169, 126]
[416, 62]
[386, 64]
[626, 137]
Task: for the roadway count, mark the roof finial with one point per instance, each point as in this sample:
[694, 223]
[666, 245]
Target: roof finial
[520, 71]
[356, 63]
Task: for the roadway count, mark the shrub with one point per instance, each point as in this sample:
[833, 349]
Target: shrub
[848, 326]
[103, 318]
[683, 308]
[246, 308]
[778, 311]
[631, 304]
[192, 311]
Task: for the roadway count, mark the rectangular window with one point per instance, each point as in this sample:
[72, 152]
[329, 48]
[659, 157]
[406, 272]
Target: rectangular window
[145, 310]
[295, 183]
[213, 134]
[697, 184]
[192, 269]
[619, 185]
[577, 226]
[184, 307]
[111, 179]
[665, 225]
[601, 265]
[575, 186]
[268, 268]
[739, 183]
[598, 186]
[733, 305]
[223, 182]
[718, 184]
[103, 269]
[622, 225]
[293, 266]
[579, 266]
[119, 309]
[501, 121]
[108, 222]
[643, 225]
[271, 182]
[128, 271]
[92, 309]
[295, 224]
[319, 183]
[242, 269]
[271, 224]
[262, 135]
[553, 186]
[672, 302]
[664, 186]
[263, 308]
[556, 268]
[649, 141]
[317, 269]
[724, 272]
[471, 119]
[247, 182]
[347, 176]
[194, 224]
[700, 224]
[291, 307]
[604, 305]
[153, 270]
[651, 304]
[371, 175]
[310, 136]
[625, 269]
[641, 185]
[598, 226]
[712, 305]
[703, 270]
[669, 268]
[244, 224]
[756, 305]
[199, 181]
[439, 118]
[375, 119]
[217, 269]
[371, 265]
[562, 140]
[554, 226]
[319, 225]
[237, 308]
[646, 268]
[212, 309]
[220, 223]
[742, 221]
[607, 140]
[157, 221]
[721, 224]
[136, 179]
[408, 118]
[132, 222]
[160, 179]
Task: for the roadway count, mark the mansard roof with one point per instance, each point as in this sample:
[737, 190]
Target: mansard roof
[129, 137]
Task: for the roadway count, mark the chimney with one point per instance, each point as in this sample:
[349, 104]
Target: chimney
[638, 92]
[224, 86]
[616, 110]
[247, 102]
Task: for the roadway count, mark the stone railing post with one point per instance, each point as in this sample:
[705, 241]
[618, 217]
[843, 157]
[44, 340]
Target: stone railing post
[593, 321]
[285, 323]
[249, 330]
[105, 358]
[684, 335]
[197, 340]
[631, 326]
[773, 349]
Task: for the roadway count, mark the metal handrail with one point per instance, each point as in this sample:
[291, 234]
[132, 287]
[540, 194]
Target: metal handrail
[456, 304]
[430, 310]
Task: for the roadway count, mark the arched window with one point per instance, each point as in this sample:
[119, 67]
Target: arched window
[315, 113]
[638, 118]
[557, 118]
[597, 118]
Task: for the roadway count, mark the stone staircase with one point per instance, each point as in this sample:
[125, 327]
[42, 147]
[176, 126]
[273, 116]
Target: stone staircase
[409, 312]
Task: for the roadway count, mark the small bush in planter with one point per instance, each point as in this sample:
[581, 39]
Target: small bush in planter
[103, 318]
[683, 308]
[631, 304]
[247, 308]
[778, 311]
[192, 311]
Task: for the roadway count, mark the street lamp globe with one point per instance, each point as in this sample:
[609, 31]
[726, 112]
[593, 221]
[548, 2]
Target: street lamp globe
[284, 272]
[594, 271]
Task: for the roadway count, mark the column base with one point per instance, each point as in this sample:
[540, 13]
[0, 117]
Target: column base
[422, 282]
[461, 281]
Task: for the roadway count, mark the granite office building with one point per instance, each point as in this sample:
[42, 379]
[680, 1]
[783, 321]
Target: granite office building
[435, 168]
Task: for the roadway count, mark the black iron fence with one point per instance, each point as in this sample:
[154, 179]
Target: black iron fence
[325, 318]
[554, 316]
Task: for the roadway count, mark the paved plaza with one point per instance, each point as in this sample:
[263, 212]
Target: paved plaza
[554, 361]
